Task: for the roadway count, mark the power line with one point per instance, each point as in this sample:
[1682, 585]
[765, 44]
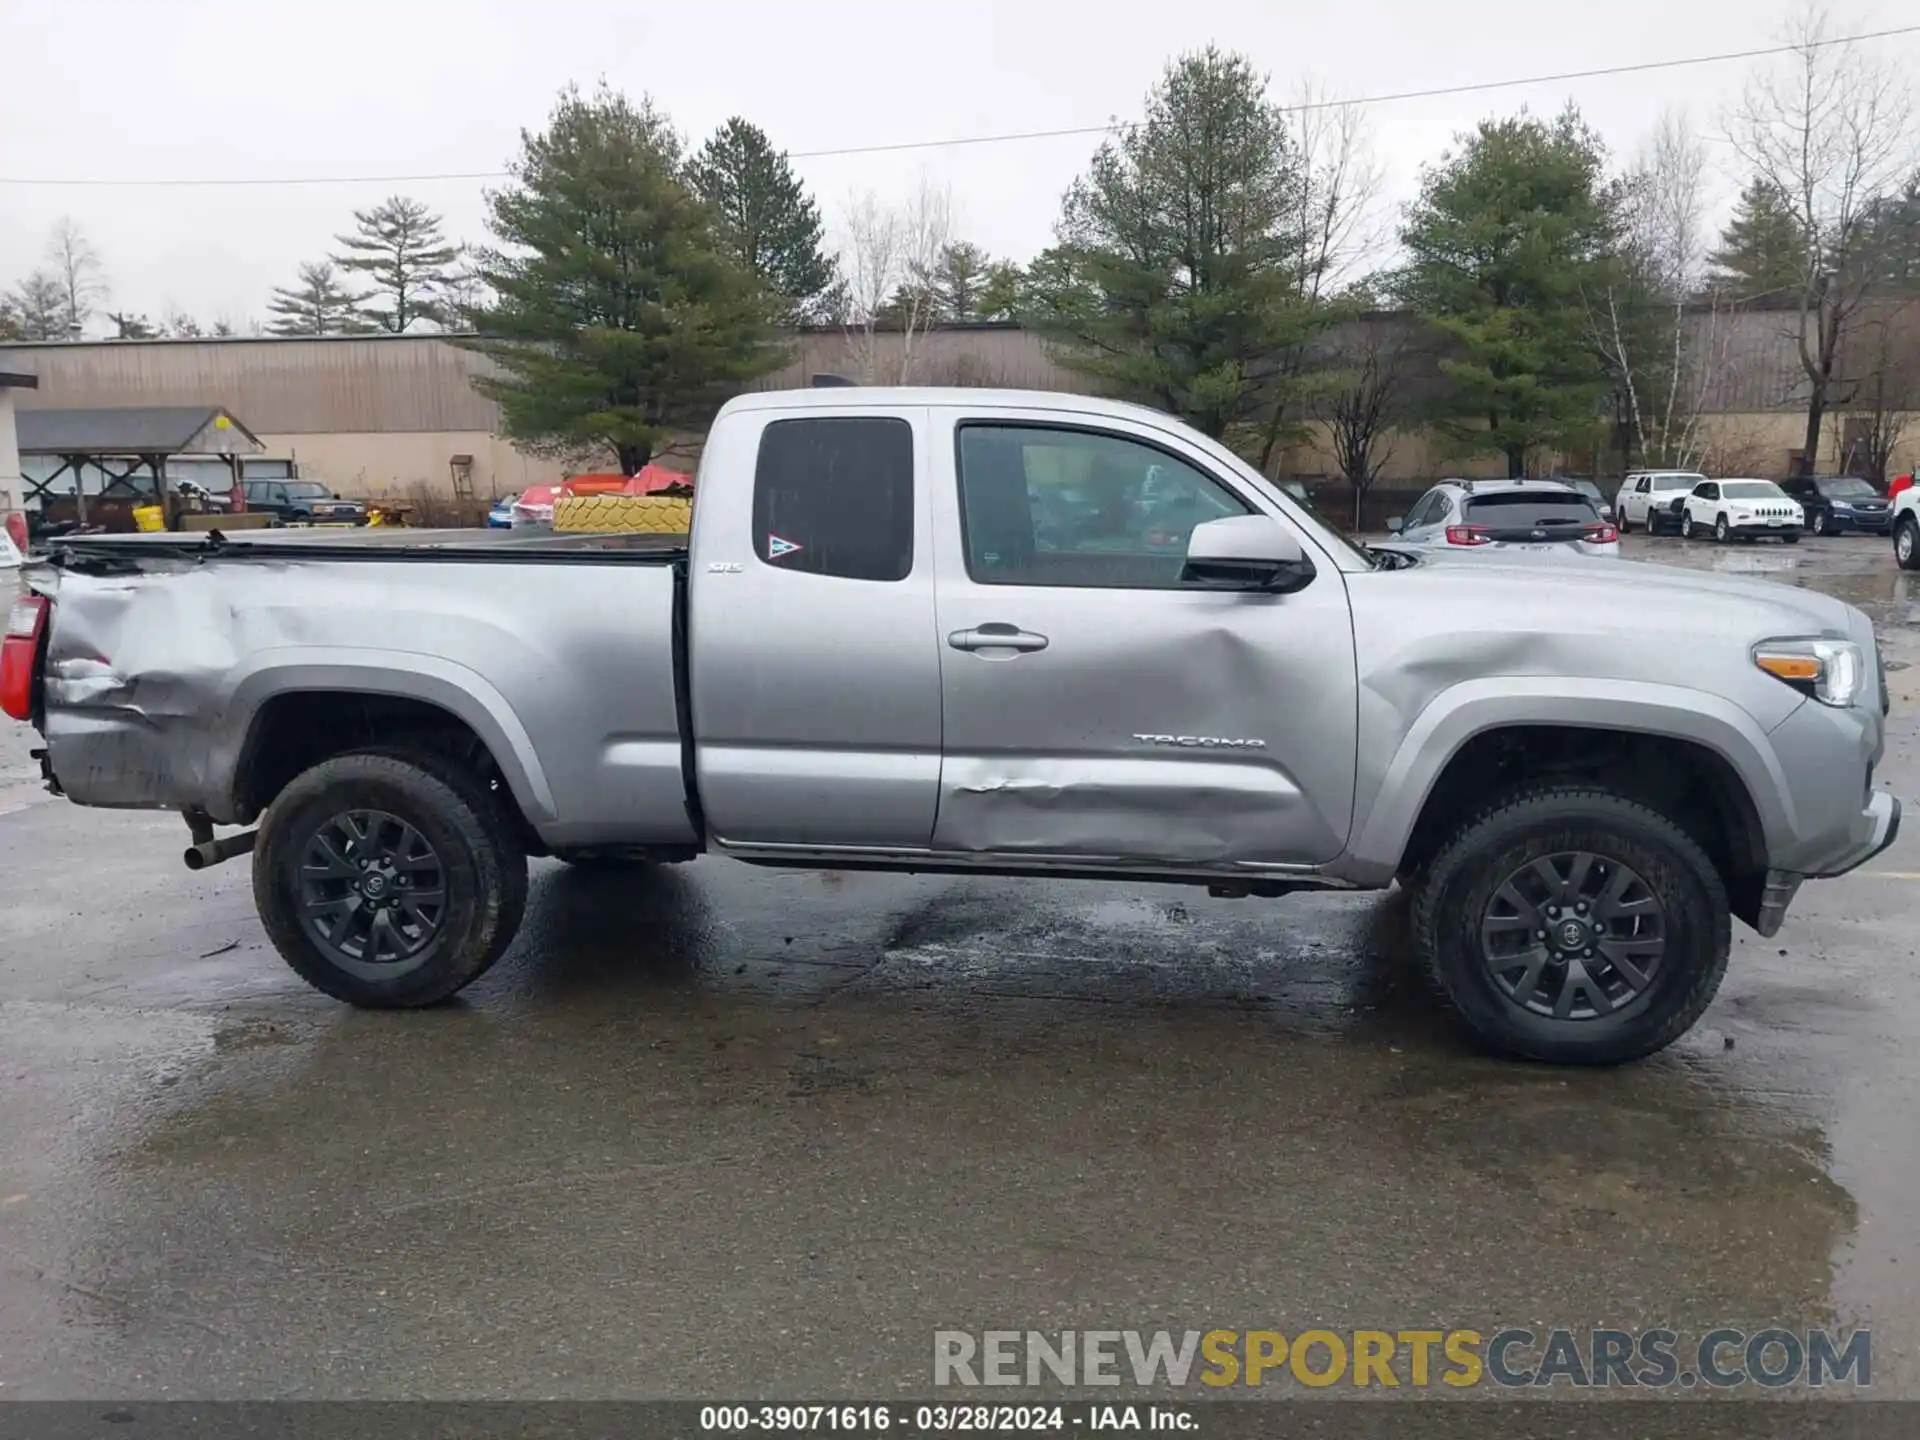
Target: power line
[1435, 92]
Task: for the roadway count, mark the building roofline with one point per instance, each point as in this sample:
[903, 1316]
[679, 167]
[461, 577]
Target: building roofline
[450, 337]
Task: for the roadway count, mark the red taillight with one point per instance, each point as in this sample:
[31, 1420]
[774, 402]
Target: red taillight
[1468, 535]
[1600, 534]
[17, 532]
[25, 620]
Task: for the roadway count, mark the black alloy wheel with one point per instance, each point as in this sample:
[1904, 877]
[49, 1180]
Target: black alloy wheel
[372, 893]
[1574, 936]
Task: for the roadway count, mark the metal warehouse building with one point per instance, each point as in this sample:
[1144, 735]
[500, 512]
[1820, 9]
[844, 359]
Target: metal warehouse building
[393, 415]
[397, 415]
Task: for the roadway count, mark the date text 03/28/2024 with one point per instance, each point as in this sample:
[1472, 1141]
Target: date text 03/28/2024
[977, 1419]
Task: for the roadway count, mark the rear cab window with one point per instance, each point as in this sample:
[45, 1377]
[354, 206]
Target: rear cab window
[833, 495]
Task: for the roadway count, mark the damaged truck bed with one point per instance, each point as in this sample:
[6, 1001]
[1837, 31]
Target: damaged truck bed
[977, 631]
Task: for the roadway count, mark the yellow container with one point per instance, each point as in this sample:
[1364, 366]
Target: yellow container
[149, 518]
[623, 514]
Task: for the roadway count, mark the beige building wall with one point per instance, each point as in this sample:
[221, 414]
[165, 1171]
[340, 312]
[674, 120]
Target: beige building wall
[384, 415]
[1759, 443]
[398, 464]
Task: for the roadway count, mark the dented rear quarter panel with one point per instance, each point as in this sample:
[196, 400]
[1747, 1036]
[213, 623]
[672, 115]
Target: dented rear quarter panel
[154, 680]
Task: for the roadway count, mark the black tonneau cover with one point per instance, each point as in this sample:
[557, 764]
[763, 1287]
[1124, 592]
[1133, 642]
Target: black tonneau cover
[376, 543]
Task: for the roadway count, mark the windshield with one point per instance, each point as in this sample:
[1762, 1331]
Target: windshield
[1677, 482]
[1847, 487]
[1588, 489]
[1752, 490]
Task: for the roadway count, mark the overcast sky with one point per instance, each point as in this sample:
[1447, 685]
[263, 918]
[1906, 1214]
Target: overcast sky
[163, 89]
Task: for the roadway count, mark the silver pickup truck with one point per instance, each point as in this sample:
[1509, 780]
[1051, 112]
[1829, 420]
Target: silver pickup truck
[983, 633]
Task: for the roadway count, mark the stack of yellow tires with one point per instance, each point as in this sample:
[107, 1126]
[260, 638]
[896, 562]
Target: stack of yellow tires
[623, 514]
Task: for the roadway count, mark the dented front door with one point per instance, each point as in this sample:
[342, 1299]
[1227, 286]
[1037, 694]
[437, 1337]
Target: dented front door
[1092, 705]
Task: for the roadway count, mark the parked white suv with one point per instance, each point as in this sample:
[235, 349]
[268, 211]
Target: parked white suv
[1647, 498]
[1743, 509]
[1906, 528]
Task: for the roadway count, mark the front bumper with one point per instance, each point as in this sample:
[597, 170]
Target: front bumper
[1748, 528]
[1875, 524]
[1877, 827]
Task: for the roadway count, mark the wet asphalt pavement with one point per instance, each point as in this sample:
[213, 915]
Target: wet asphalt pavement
[711, 1131]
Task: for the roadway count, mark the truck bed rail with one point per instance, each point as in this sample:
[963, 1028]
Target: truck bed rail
[97, 553]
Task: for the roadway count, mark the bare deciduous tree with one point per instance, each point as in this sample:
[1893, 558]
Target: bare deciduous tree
[1830, 129]
[1639, 319]
[1338, 224]
[1342, 223]
[76, 264]
[891, 254]
[1885, 354]
[1361, 413]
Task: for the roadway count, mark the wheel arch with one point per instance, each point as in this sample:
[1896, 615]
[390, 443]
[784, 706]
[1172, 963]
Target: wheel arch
[290, 717]
[1677, 750]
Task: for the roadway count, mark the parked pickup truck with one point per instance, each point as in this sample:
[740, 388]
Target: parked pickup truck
[989, 634]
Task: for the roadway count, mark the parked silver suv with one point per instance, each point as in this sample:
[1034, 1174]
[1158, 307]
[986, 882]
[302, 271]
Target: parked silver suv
[1542, 516]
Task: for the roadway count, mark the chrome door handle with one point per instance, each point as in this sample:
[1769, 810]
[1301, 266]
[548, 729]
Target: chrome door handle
[996, 637]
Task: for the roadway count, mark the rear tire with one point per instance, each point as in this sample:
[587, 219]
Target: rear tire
[1460, 914]
[1906, 543]
[465, 850]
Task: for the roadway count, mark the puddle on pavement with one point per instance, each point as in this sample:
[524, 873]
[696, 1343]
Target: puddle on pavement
[1058, 1101]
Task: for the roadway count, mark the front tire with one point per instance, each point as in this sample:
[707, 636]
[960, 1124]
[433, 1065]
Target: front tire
[1822, 525]
[389, 880]
[1721, 533]
[1906, 543]
[1496, 913]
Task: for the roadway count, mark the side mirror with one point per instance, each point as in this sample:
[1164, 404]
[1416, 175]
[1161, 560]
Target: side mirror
[1394, 522]
[1246, 552]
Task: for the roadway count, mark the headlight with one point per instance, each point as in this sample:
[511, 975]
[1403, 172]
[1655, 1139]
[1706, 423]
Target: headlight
[1827, 670]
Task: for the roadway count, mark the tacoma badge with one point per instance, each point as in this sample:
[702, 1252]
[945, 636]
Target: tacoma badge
[1202, 742]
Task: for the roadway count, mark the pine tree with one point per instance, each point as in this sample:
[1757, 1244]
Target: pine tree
[1000, 291]
[1763, 251]
[959, 283]
[615, 316]
[399, 248]
[1177, 276]
[41, 300]
[1892, 245]
[316, 306]
[1510, 231]
[764, 218]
